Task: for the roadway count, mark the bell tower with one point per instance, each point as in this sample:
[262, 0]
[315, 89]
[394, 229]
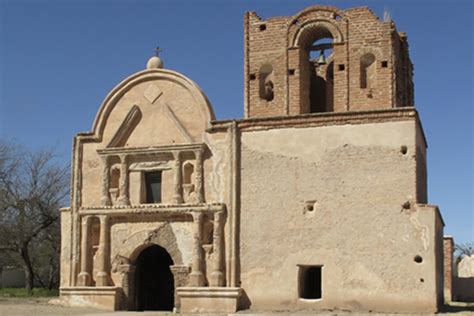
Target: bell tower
[325, 60]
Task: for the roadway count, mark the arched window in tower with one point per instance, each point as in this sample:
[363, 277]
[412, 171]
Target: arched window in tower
[319, 47]
[266, 82]
[367, 71]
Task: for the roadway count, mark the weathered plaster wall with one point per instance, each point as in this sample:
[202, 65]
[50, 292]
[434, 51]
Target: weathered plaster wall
[64, 264]
[91, 172]
[421, 167]
[362, 230]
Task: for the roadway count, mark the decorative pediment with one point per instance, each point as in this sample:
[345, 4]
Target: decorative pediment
[154, 107]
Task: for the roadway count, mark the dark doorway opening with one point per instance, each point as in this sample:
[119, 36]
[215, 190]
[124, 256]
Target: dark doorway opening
[309, 283]
[154, 283]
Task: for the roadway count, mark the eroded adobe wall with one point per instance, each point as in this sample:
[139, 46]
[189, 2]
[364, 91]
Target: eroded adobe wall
[66, 248]
[342, 197]
[448, 243]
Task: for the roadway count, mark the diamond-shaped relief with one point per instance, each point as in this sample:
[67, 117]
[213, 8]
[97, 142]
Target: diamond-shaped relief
[152, 93]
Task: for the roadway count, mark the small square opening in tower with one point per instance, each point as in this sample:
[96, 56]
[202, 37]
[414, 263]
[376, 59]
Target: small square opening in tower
[153, 187]
[384, 64]
[310, 282]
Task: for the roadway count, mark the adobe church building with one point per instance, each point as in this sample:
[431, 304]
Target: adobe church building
[316, 199]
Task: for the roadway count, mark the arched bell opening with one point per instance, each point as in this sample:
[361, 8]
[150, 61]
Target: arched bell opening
[319, 51]
[320, 54]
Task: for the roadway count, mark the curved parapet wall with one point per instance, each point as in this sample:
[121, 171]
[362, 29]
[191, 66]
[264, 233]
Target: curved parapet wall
[164, 98]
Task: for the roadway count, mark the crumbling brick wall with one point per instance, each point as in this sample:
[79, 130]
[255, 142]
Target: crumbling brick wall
[357, 35]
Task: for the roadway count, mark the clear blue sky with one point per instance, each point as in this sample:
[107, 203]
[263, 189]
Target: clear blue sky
[59, 59]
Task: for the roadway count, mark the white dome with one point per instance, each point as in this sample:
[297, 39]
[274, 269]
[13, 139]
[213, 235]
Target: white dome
[154, 63]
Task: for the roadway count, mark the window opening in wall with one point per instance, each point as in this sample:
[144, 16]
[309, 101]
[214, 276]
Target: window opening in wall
[153, 186]
[310, 282]
[320, 53]
[384, 64]
[367, 71]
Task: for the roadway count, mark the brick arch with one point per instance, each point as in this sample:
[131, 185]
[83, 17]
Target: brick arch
[371, 50]
[307, 32]
[321, 8]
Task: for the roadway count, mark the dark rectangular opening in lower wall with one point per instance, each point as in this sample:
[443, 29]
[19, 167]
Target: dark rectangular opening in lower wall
[310, 282]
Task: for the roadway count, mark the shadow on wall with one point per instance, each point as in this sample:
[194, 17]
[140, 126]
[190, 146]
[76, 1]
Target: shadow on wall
[463, 289]
[245, 302]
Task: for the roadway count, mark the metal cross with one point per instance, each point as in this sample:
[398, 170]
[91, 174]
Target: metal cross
[158, 51]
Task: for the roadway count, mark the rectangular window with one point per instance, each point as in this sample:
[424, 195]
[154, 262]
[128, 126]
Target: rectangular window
[310, 282]
[153, 187]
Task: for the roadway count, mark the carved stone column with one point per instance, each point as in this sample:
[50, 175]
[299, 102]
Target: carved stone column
[123, 185]
[105, 181]
[196, 277]
[178, 179]
[198, 180]
[84, 277]
[102, 278]
[217, 275]
[181, 277]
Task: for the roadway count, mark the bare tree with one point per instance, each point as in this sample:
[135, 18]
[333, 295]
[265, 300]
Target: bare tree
[33, 186]
[462, 250]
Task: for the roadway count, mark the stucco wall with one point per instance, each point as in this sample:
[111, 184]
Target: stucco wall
[64, 264]
[362, 230]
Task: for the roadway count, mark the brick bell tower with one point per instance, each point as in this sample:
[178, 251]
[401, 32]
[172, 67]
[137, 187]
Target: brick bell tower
[325, 60]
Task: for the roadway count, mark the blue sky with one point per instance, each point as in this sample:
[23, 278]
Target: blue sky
[59, 59]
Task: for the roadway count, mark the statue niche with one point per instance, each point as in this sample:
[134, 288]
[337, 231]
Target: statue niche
[266, 82]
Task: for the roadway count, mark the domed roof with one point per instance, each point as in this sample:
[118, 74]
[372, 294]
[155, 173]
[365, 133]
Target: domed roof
[154, 62]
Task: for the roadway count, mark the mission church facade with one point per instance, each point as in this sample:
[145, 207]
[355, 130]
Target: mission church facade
[316, 199]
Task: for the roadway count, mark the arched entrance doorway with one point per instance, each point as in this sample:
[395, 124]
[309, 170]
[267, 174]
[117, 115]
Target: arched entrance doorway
[154, 283]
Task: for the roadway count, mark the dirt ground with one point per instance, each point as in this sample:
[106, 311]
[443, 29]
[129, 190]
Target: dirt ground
[40, 306]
